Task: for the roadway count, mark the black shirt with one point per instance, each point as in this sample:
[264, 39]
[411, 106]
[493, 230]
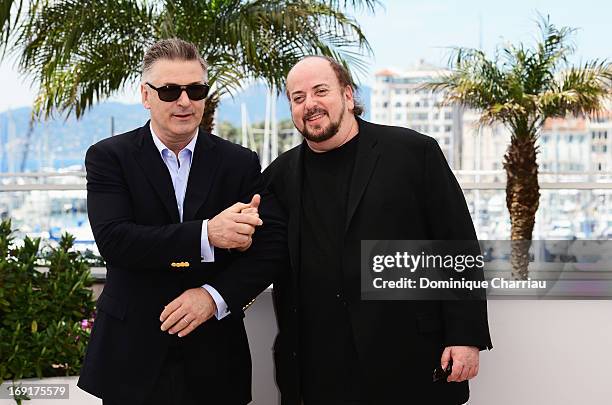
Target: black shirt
[328, 362]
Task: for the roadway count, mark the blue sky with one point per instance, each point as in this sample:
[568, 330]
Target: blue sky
[403, 32]
[406, 31]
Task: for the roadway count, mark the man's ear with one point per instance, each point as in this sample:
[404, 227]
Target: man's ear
[349, 97]
[144, 96]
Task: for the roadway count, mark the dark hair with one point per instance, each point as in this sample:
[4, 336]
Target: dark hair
[344, 78]
[172, 49]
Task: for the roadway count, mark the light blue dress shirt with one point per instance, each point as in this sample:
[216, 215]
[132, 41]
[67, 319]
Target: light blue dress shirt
[179, 172]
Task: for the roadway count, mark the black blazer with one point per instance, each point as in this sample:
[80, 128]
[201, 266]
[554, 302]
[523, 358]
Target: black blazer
[152, 258]
[402, 188]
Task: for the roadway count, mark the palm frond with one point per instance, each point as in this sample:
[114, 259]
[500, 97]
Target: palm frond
[475, 81]
[263, 39]
[550, 55]
[579, 90]
[10, 12]
[81, 52]
[522, 86]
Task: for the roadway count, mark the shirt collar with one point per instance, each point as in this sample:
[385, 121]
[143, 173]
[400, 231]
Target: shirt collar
[161, 147]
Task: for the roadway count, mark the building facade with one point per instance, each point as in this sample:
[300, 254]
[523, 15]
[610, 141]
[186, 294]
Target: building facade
[398, 98]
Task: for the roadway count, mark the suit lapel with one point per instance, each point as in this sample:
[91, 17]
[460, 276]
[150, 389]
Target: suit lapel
[155, 170]
[294, 191]
[365, 162]
[204, 164]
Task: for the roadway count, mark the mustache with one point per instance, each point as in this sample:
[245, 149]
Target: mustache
[314, 111]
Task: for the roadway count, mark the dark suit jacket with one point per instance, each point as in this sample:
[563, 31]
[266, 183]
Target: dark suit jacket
[152, 258]
[401, 188]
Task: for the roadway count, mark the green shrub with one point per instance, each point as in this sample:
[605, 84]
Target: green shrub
[45, 316]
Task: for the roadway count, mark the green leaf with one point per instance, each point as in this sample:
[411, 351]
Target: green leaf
[79, 53]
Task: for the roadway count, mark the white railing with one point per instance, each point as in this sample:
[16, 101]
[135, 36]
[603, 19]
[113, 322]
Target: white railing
[15, 181]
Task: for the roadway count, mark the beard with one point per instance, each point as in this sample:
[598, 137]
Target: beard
[323, 133]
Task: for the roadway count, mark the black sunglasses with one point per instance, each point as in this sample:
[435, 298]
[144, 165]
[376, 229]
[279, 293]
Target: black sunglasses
[172, 92]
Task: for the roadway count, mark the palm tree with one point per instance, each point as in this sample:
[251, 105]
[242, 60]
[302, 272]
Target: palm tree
[520, 88]
[80, 52]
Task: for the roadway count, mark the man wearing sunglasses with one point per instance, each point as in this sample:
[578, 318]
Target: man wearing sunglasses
[174, 211]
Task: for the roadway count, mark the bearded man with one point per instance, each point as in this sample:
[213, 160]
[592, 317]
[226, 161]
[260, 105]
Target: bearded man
[351, 180]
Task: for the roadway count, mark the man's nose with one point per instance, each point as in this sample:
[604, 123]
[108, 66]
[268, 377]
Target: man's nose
[310, 102]
[183, 99]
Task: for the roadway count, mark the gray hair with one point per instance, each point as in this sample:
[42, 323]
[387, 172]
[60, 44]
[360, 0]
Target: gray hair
[172, 49]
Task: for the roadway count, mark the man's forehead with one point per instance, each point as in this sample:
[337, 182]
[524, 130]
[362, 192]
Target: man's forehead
[309, 74]
[170, 70]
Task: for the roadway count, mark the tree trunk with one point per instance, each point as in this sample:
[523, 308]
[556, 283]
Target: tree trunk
[522, 199]
[212, 102]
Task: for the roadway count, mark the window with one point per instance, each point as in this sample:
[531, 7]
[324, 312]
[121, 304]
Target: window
[447, 128]
[448, 115]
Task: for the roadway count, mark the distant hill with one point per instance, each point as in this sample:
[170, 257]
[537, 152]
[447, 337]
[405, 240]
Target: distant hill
[60, 143]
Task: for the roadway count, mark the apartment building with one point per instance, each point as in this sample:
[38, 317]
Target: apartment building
[398, 98]
[574, 144]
